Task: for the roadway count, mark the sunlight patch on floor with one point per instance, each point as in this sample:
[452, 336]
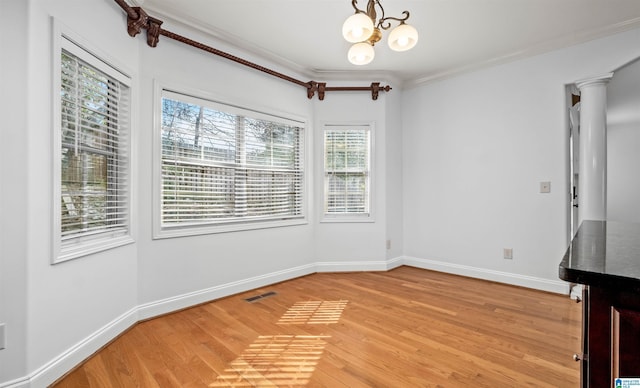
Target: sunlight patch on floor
[313, 312]
[276, 360]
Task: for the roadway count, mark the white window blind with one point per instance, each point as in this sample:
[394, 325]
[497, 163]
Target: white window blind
[225, 165]
[94, 152]
[347, 170]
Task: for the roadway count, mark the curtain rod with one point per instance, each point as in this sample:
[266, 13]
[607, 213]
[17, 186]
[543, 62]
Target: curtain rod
[138, 19]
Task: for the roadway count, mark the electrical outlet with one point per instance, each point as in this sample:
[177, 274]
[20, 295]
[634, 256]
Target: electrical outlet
[3, 336]
[388, 244]
[508, 253]
[545, 187]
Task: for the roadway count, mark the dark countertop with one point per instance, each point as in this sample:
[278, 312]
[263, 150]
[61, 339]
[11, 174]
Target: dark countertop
[604, 254]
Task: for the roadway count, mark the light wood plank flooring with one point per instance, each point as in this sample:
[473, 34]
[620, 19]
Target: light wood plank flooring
[404, 328]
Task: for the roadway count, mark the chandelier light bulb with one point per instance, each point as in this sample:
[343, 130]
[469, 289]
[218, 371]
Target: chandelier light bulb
[361, 53]
[357, 28]
[403, 38]
[357, 32]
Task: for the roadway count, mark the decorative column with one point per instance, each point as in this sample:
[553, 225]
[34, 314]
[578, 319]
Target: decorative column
[592, 186]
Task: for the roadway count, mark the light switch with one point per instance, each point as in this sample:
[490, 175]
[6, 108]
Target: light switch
[545, 187]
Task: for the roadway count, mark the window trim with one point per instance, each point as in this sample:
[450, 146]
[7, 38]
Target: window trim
[160, 232]
[348, 218]
[63, 38]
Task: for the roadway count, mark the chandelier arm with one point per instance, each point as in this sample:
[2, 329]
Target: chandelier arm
[381, 23]
[353, 4]
[382, 18]
[388, 25]
[371, 10]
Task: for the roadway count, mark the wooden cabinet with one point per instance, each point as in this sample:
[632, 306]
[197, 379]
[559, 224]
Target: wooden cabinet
[626, 342]
[605, 257]
[611, 336]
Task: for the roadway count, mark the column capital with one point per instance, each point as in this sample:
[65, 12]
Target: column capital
[593, 81]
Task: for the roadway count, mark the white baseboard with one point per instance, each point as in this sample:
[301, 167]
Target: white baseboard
[154, 309]
[168, 305]
[23, 382]
[54, 369]
[358, 266]
[395, 263]
[555, 286]
[66, 361]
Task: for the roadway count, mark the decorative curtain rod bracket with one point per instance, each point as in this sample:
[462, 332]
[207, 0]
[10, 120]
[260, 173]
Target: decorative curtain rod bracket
[314, 87]
[153, 31]
[138, 19]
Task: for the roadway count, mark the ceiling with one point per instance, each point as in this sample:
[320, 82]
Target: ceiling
[455, 35]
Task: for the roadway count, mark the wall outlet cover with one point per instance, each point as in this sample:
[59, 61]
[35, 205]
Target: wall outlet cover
[508, 253]
[545, 187]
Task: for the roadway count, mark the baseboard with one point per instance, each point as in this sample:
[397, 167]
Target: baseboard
[23, 382]
[164, 306]
[555, 286]
[54, 369]
[395, 263]
[154, 309]
[358, 266]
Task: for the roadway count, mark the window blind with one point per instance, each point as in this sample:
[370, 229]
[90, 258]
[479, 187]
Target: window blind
[222, 164]
[346, 165]
[94, 179]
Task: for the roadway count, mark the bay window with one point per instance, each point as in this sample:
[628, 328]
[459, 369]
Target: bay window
[227, 168]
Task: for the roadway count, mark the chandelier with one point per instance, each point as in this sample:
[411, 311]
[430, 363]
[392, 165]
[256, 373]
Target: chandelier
[363, 30]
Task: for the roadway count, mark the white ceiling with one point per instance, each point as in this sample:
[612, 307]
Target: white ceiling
[455, 35]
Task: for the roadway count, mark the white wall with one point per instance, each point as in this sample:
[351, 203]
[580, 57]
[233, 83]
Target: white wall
[178, 266]
[72, 302]
[13, 185]
[476, 147]
[359, 245]
[393, 176]
[623, 144]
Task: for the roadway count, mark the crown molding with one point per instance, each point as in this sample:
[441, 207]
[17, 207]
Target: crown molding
[359, 75]
[541, 48]
[229, 39]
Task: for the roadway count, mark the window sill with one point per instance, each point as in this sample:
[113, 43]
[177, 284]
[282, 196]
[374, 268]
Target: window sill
[347, 219]
[197, 230]
[87, 248]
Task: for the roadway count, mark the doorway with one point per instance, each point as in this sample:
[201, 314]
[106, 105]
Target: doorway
[573, 102]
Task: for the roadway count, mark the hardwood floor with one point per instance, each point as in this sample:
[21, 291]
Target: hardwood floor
[404, 328]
